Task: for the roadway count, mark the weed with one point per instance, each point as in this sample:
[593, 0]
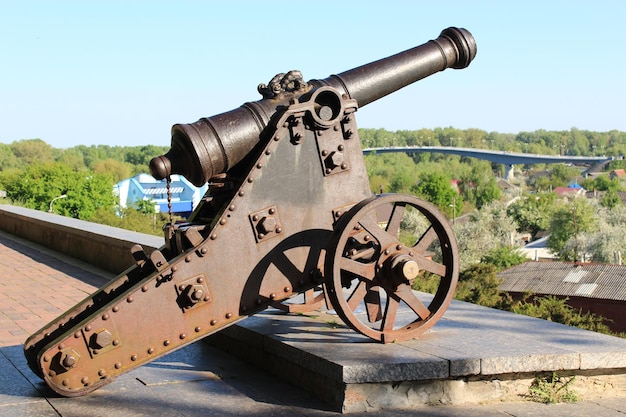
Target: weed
[552, 389]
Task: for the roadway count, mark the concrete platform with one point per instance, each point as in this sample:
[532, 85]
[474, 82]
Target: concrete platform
[473, 355]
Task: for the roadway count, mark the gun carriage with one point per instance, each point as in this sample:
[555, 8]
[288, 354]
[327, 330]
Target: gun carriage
[289, 212]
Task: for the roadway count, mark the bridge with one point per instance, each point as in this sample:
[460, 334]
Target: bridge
[508, 159]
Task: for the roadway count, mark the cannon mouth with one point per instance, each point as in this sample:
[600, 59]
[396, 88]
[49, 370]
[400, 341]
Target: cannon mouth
[464, 43]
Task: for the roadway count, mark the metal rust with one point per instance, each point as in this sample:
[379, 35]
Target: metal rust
[289, 212]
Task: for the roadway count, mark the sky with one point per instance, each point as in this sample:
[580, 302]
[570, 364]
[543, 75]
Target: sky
[122, 72]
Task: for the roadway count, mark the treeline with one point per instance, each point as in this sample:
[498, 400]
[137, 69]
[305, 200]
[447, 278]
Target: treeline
[573, 142]
[117, 161]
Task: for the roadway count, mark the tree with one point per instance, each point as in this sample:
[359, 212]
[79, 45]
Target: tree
[570, 221]
[486, 230]
[479, 284]
[437, 189]
[37, 185]
[532, 213]
[32, 151]
[503, 257]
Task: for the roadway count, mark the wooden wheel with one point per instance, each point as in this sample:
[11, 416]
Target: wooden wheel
[379, 248]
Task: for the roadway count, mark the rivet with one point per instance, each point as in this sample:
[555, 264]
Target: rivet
[255, 218]
[261, 235]
[222, 221]
[118, 365]
[411, 253]
[166, 342]
[61, 346]
[150, 351]
[51, 373]
[387, 252]
[232, 207]
[241, 193]
[182, 336]
[88, 328]
[272, 296]
[328, 170]
[228, 315]
[197, 329]
[187, 258]
[213, 322]
[76, 335]
[174, 269]
[272, 211]
[84, 380]
[367, 237]
[206, 298]
[46, 358]
[320, 133]
[287, 289]
[200, 280]
[101, 372]
[344, 166]
[133, 358]
[324, 153]
[340, 148]
[130, 299]
[144, 288]
[276, 138]
[214, 236]
[398, 247]
[335, 128]
[65, 382]
[279, 230]
[117, 308]
[116, 342]
[259, 165]
[267, 152]
[182, 287]
[250, 179]
[203, 251]
[259, 301]
[105, 316]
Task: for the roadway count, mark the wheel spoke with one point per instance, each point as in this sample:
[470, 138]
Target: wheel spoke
[357, 295]
[372, 304]
[390, 313]
[393, 226]
[383, 238]
[430, 265]
[362, 270]
[408, 296]
[425, 241]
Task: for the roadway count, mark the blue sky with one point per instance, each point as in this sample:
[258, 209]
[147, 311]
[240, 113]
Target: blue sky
[123, 72]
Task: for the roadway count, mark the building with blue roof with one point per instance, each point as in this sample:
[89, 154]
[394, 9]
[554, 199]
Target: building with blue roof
[185, 195]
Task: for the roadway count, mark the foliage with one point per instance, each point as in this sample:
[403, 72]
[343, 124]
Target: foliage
[553, 389]
[37, 185]
[607, 240]
[131, 219]
[532, 212]
[570, 220]
[503, 257]
[436, 188]
[479, 284]
[479, 186]
[556, 309]
[486, 230]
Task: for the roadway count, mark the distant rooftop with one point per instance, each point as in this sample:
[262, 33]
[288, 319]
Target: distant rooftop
[603, 281]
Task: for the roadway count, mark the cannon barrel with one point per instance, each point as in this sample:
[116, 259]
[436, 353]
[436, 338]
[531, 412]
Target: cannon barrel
[215, 144]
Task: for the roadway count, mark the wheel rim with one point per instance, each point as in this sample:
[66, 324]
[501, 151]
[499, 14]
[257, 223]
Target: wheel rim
[379, 248]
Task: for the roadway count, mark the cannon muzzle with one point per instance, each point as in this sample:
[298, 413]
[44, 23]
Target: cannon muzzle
[213, 145]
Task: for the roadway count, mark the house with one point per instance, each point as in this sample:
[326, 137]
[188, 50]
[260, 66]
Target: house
[184, 195]
[594, 288]
[617, 173]
[569, 192]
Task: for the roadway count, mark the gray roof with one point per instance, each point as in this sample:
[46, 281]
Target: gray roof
[605, 281]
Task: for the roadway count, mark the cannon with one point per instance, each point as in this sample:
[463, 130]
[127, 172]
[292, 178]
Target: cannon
[289, 215]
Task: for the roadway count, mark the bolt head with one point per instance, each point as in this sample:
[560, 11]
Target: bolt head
[102, 339]
[267, 224]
